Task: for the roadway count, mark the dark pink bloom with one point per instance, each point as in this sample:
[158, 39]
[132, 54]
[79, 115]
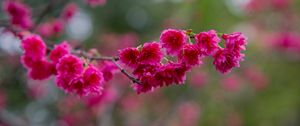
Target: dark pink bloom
[225, 60]
[129, 56]
[189, 55]
[235, 41]
[19, 13]
[207, 42]
[59, 51]
[69, 11]
[93, 80]
[173, 40]
[146, 84]
[77, 86]
[69, 64]
[41, 69]
[170, 73]
[150, 53]
[94, 3]
[63, 82]
[34, 47]
[27, 61]
[141, 69]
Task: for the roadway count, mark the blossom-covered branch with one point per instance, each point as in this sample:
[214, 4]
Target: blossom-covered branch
[154, 64]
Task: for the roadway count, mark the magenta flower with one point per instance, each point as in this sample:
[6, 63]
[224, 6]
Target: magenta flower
[108, 69]
[34, 47]
[170, 73]
[69, 64]
[93, 79]
[19, 13]
[129, 56]
[207, 42]
[77, 86]
[63, 82]
[41, 70]
[59, 51]
[189, 55]
[146, 84]
[225, 60]
[150, 54]
[173, 40]
[235, 41]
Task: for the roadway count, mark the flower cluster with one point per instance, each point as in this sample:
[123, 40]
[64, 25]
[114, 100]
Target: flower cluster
[19, 13]
[55, 27]
[164, 63]
[71, 74]
[154, 64]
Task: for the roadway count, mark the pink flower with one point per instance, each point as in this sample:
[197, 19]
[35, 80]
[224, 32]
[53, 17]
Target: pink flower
[41, 70]
[108, 69]
[141, 69]
[63, 82]
[69, 64]
[52, 28]
[225, 60]
[59, 51]
[146, 84]
[69, 11]
[93, 79]
[173, 40]
[77, 86]
[95, 3]
[235, 41]
[34, 47]
[207, 42]
[20, 14]
[189, 55]
[129, 56]
[170, 73]
[150, 54]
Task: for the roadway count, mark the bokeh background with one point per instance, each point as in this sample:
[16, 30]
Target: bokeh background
[264, 91]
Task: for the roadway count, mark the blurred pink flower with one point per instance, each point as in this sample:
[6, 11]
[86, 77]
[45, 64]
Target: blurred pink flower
[51, 29]
[69, 11]
[189, 114]
[256, 77]
[198, 79]
[19, 13]
[231, 83]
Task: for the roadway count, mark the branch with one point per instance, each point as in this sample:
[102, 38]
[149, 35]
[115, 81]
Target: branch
[112, 59]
